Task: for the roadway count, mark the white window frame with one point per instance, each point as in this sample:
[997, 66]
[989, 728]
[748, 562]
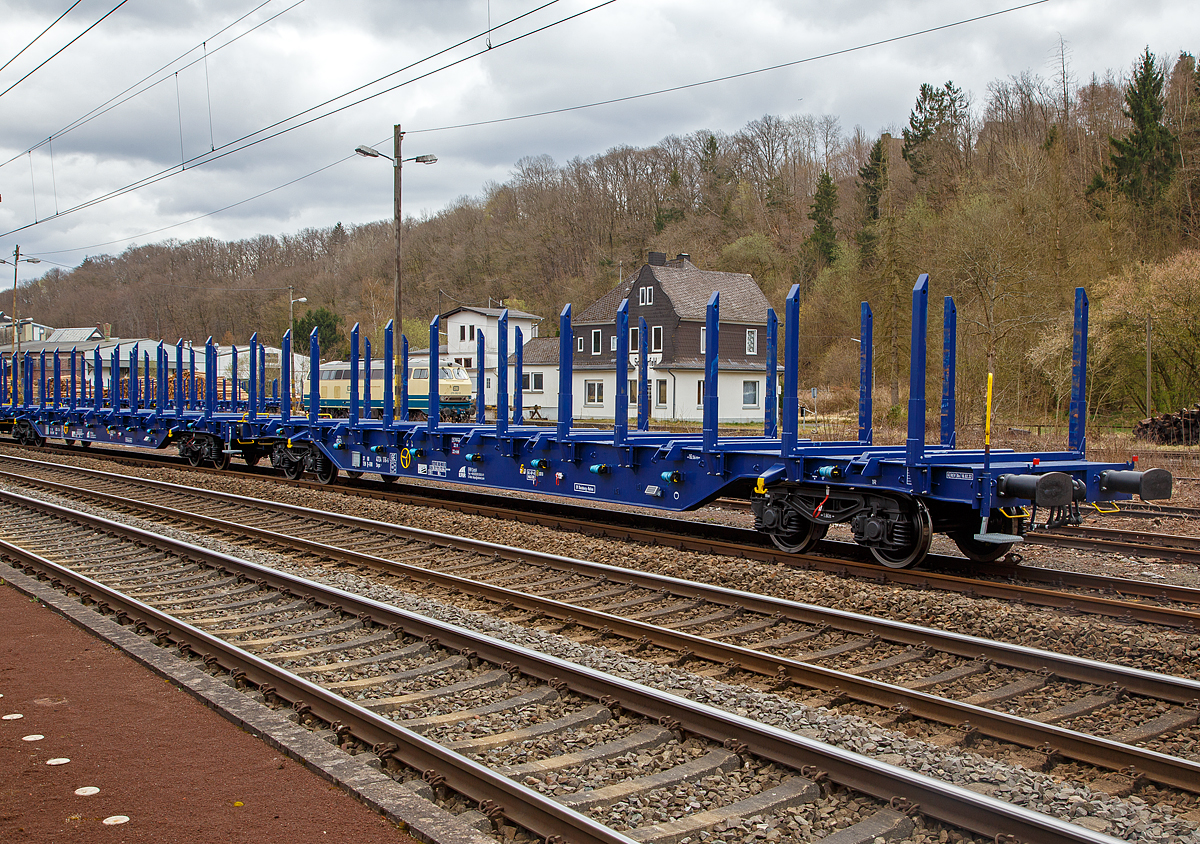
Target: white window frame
[612, 343]
[633, 339]
[700, 393]
[757, 394]
[656, 338]
[660, 393]
[597, 337]
[633, 391]
[649, 295]
[752, 341]
[580, 344]
[532, 382]
[703, 339]
[593, 393]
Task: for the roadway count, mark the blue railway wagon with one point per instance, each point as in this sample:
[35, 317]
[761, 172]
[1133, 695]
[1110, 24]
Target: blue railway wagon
[893, 497]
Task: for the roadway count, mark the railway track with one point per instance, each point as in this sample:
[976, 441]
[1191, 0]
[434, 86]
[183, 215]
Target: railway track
[1071, 591]
[521, 734]
[1131, 542]
[1004, 692]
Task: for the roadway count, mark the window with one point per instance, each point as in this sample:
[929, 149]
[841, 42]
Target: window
[531, 382]
[612, 343]
[472, 332]
[656, 338]
[580, 349]
[633, 392]
[464, 362]
[633, 339]
[489, 384]
[462, 333]
[595, 341]
[420, 374]
[752, 341]
[661, 384]
[749, 394]
[645, 295]
[700, 393]
[703, 339]
[594, 392]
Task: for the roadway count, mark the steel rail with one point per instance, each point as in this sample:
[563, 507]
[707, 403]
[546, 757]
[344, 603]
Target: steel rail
[969, 586]
[1150, 684]
[523, 805]
[1102, 752]
[951, 804]
[1139, 543]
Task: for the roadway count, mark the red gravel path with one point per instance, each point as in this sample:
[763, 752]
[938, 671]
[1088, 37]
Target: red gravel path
[174, 767]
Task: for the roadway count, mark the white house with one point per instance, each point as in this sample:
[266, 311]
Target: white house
[464, 325]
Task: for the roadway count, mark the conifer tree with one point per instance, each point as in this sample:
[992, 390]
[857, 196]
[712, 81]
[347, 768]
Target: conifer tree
[823, 241]
[1141, 164]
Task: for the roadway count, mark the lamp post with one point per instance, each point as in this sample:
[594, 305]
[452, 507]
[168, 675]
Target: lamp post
[397, 161]
[17, 259]
[292, 318]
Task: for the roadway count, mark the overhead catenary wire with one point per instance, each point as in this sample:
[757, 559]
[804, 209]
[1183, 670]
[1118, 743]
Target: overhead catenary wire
[39, 35]
[225, 150]
[60, 50]
[715, 80]
[116, 100]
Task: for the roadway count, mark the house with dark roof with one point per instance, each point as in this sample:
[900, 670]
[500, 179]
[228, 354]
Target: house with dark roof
[672, 296]
[539, 379]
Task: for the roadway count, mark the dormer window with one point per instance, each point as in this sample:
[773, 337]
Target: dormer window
[645, 295]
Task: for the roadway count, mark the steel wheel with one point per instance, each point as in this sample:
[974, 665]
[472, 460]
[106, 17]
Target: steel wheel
[293, 469]
[251, 455]
[987, 552]
[220, 457]
[194, 456]
[327, 470]
[922, 526]
[802, 540]
[389, 479]
[354, 476]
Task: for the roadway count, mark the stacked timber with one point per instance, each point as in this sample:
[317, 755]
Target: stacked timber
[1182, 428]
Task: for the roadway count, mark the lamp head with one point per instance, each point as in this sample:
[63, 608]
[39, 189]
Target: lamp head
[367, 152]
[426, 159]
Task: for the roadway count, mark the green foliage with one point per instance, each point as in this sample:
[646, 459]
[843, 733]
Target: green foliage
[334, 344]
[822, 243]
[1142, 162]
[934, 126]
[417, 332]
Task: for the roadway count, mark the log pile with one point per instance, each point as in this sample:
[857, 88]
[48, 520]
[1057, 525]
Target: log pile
[1182, 428]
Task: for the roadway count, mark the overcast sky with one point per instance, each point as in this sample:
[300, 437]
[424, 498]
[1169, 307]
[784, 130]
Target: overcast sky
[316, 50]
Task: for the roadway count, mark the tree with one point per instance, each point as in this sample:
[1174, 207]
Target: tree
[334, 345]
[872, 182]
[1140, 164]
[936, 127]
[822, 243]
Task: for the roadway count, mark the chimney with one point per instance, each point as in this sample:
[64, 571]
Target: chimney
[108, 331]
[657, 259]
[683, 256]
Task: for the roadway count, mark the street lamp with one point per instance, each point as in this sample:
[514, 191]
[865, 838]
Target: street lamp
[17, 259]
[292, 319]
[397, 161]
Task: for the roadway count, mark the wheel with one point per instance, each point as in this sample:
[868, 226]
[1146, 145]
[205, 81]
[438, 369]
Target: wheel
[987, 552]
[85, 443]
[293, 469]
[809, 534]
[194, 456]
[922, 526]
[389, 479]
[69, 442]
[354, 476]
[327, 471]
[220, 458]
[251, 455]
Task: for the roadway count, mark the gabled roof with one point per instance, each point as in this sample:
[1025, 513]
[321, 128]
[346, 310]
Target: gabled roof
[493, 313]
[539, 351]
[74, 335]
[688, 289]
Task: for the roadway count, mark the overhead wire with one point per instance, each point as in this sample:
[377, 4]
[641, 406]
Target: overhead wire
[39, 35]
[116, 100]
[223, 151]
[63, 47]
[715, 80]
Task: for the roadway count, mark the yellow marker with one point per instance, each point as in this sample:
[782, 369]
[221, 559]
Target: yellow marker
[987, 425]
[760, 488]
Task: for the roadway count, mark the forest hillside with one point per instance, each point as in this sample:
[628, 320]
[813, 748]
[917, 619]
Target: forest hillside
[1009, 198]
